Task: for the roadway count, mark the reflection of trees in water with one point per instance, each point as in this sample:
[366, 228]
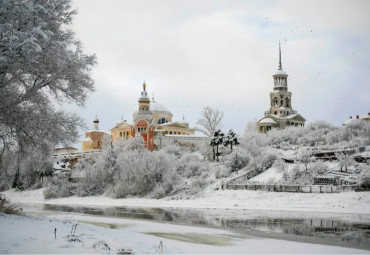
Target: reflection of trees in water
[323, 228]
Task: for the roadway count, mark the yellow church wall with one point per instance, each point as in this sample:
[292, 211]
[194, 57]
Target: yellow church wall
[122, 133]
[87, 145]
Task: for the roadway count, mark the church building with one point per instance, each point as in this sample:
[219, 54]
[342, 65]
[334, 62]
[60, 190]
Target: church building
[152, 119]
[281, 113]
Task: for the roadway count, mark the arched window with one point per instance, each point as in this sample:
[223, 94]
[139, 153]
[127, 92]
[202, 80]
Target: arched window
[275, 101]
[162, 121]
[287, 102]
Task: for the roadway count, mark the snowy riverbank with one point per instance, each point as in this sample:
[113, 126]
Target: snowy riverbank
[346, 202]
[35, 235]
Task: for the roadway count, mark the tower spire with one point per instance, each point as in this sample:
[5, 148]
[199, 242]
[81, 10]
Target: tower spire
[280, 67]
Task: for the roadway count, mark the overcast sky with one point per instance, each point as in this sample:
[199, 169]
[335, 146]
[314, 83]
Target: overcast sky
[223, 54]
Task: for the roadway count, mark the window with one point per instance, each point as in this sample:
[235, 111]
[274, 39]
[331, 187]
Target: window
[162, 121]
[275, 101]
[275, 112]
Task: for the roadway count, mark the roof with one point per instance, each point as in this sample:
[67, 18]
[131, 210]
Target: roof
[157, 107]
[267, 121]
[284, 117]
[360, 117]
[87, 139]
[66, 148]
[122, 124]
[281, 72]
[174, 123]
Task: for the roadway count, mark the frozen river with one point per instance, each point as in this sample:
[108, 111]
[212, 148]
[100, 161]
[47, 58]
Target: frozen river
[334, 230]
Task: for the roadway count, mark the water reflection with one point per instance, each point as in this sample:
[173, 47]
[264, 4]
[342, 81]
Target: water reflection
[328, 228]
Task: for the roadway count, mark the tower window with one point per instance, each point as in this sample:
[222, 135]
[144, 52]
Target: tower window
[162, 121]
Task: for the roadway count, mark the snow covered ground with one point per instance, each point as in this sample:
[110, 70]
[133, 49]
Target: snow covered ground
[36, 234]
[346, 202]
[19, 234]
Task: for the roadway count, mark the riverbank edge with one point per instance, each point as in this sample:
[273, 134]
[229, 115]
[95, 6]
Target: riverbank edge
[345, 202]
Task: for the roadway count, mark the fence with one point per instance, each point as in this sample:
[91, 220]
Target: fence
[291, 188]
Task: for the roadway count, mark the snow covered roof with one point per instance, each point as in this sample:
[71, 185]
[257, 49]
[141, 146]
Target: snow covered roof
[267, 121]
[96, 131]
[174, 123]
[154, 106]
[87, 139]
[122, 124]
[280, 72]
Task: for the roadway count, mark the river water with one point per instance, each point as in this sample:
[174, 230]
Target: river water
[348, 230]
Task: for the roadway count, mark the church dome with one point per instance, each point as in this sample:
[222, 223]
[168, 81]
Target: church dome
[157, 107]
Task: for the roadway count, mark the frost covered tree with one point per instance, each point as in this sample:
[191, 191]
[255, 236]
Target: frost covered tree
[345, 159]
[216, 141]
[135, 143]
[304, 157]
[231, 139]
[210, 121]
[41, 63]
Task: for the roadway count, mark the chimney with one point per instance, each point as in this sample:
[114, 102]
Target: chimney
[350, 117]
[368, 113]
[357, 117]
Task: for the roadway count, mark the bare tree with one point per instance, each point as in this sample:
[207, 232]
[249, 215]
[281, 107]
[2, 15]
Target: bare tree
[210, 121]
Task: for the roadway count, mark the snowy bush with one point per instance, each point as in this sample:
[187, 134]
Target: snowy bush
[7, 207]
[221, 171]
[59, 188]
[363, 180]
[237, 160]
[319, 167]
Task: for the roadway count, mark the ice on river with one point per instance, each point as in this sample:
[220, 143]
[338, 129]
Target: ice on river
[96, 234]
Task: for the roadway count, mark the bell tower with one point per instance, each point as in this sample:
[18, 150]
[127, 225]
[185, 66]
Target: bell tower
[144, 101]
[280, 114]
[280, 97]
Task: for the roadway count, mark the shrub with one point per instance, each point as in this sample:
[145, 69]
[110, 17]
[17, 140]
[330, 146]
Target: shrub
[59, 188]
[237, 160]
[363, 180]
[7, 207]
[221, 171]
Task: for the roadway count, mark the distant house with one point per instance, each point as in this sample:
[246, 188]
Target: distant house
[358, 117]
